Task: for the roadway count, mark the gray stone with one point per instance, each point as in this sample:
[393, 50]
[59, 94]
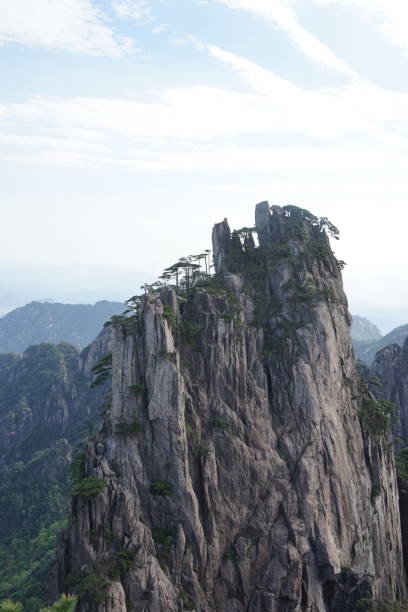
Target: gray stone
[250, 423]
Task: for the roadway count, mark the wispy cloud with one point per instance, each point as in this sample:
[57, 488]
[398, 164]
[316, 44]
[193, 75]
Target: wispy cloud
[163, 27]
[194, 127]
[282, 15]
[138, 10]
[201, 127]
[74, 26]
[390, 16]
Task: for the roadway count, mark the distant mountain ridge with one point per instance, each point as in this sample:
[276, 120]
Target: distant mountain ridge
[367, 339]
[363, 329]
[39, 322]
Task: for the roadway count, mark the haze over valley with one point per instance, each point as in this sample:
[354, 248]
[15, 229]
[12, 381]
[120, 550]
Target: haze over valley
[203, 306]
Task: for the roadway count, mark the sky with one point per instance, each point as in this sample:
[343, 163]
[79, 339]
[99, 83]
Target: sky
[129, 127]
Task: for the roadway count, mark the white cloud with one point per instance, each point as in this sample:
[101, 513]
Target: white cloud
[192, 128]
[360, 107]
[281, 14]
[74, 26]
[314, 161]
[138, 10]
[163, 27]
[390, 16]
[187, 128]
[201, 114]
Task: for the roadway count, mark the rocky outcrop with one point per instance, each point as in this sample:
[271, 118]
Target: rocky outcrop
[390, 367]
[221, 243]
[232, 472]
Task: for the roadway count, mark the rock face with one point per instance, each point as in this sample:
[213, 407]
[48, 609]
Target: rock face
[232, 472]
[391, 368]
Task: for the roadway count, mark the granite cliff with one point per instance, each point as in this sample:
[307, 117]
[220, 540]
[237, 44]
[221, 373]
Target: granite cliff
[390, 367]
[233, 470]
[390, 370]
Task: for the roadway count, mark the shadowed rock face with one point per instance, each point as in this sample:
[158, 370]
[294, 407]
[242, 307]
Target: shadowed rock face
[391, 368]
[249, 484]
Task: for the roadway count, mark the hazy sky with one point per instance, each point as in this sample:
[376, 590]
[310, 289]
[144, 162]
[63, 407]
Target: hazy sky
[129, 127]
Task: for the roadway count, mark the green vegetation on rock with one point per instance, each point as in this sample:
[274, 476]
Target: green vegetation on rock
[89, 487]
[45, 400]
[375, 605]
[161, 487]
[66, 603]
[128, 429]
[8, 605]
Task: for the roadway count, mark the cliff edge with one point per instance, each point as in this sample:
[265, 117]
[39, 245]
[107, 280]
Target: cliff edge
[233, 471]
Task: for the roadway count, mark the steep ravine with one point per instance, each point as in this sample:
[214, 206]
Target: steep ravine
[242, 479]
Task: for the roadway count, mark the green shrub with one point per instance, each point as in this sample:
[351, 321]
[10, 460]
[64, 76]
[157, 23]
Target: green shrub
[161, 487]
[169, 314]
[376, 415]
[375, 605]
[401, 463]
[66, 603]
[8, 605]
[93, 583]
[215, 286]
[231, 554]
[171, 356]
[102, 371]
[136, 389]
[220, 424]
[122, 321]
[89, 487]
[190, 431]
[91, 586]
[164, 540]
[128, 429]
[188, 603]
[123, 561]
[77, 465]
